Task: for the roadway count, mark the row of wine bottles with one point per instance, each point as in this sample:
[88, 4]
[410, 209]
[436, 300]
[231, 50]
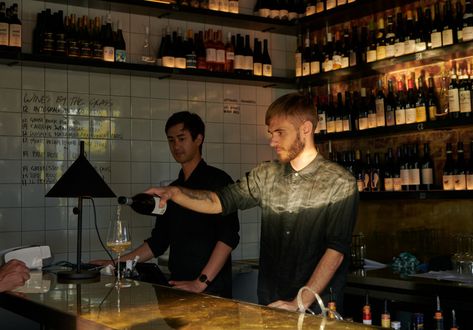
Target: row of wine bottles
[206, 50]
[414, 104]
[409, 34]
[78, 37]
[230, 6]
[294, 9]
[10, 28]
[408, 170]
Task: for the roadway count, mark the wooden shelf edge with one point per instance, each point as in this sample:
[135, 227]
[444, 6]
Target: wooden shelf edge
[416, 195]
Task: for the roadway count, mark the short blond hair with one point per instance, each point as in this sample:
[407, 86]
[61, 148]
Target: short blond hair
[295, 107]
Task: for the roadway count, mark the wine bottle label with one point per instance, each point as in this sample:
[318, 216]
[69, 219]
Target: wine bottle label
[380, 53]
[15, 35]
[420, 46]
[339, 125]
[421, 114]
[264, 12]
[409, 46]
[460, 35]
[330, 126]
[108, 54]
[399, 49]
[97, 51]
[239, 62]
[447, 37]
[274, 13]
[330, 4]
[346, 125]
[341, 2]
[390, 118]
[380, 116]
[4, 33]
[352, 58]
[467, 33]
[214, 5]
[257, 69]
[469, 181]
[411, 115]
[233, 7]
[465, 101]
[371, 56]
[427, 176]
[388, 184]
[336, 62]
[85, 50]
[397, 183]
[400, 116]
[230, 56]
[432, 112]
[221, 56]
[363, 123]
[73, 50]
[314, 67]
[321, 123]
[414, 176]
[453, 100]
[157, 209]
[447, 181]
[120, 55]
[191, 61]
[404, 177]
[211, 55]
[223, 4]
[390, 51]
[345, 62]
[48, 42]
[61, 44]
[310, 10]
[169, 61]
[267, 70]
[319, 7]
[328, 65]
[248, 63]
[460, 181]
[305, 68]
[372, 120]
[298, 64]
[436, 39]
[180, 62]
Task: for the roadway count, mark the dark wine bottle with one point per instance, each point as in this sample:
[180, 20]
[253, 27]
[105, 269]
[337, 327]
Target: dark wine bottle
[143, 204]
[427, 169]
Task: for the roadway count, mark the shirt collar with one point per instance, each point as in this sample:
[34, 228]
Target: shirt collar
[194, 173]
[307, 171]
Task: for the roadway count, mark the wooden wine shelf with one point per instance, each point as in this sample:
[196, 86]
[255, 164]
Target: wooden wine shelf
[187, 13]
[446, 124]
[78, 64]
[416, 195]
[426, 57]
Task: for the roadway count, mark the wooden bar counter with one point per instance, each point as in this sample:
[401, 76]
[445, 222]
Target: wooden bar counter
[147, 306]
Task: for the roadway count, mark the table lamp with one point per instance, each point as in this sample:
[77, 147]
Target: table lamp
[80, 180]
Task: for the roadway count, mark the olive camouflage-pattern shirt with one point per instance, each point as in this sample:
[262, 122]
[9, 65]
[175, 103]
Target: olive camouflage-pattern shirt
[303, 213]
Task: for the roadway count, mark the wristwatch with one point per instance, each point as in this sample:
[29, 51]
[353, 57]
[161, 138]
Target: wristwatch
[204, 279]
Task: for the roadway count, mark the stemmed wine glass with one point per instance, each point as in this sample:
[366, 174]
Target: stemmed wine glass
[118, 241]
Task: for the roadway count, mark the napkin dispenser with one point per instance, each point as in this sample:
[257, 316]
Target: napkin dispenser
[32, 256]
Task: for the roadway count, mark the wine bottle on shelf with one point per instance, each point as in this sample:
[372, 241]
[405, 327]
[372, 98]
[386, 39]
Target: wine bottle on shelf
[421, 103]
[347, 114]
[380, 105]
[320, 6]
[239, 64]
[443, 100]
[381, 40]
[219, 51]
[404, 168]
[388, 179]
[267, 65]
[330, 4]
[367, 172]
[458, 23]
[437, 27]
[427, 169]
[453, 96]
[108, 44]
[467, 22]
[358, 170]
[190, 50]
[120, 45]
[14, 29]
[179, 51]
[438, 317]
[420, 41]
[230, 53]
[200, 51]
[233, 6]
[72, 40]
[328, 51]
[464, 91]
[428, 27]
[414, 170]
[257, 59]
[60, 35]
[372, 116]
[449, 34]
[363, 111]
[97, 46]
[4, 27]
[337, 52]
[409, 35]
[390, 104]
[211, 51]
[306, 55]
[411, 103]
[376, 178]
[390, 38]
[143, 204]
[371, 50]
[385, 316]
[330, 115]
[248, 57]
[469, 169]
[339, 114]
[401, 103]
[45, 33]
[322, 116]
[345, 49]
[214, 5]
[315, 57]
[396, 172]
[459, 172]
[432, 100]
[448, 170]
[399, 39]
[298, 57]
[310, 8]
[454, 321]
[355, 51]
[367, 312]
[224, 6]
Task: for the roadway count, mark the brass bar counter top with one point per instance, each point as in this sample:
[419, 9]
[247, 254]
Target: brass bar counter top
[148, 306]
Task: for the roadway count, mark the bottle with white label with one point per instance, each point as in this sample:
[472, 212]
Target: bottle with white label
[453, 96]
[467, 33]
[108, 44]
[4, 27]
[448, 33]
[267, 66]
[469, 169]
[436, 32]
[414, 169]
[448, 170]
[380, 105]
[401, 104]
[298, 57]
[464, 88]
[427, 169]
[459, 172]
[411, 111]
[14, 29]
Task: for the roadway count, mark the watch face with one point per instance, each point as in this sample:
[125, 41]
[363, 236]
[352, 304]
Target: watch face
[203, 278]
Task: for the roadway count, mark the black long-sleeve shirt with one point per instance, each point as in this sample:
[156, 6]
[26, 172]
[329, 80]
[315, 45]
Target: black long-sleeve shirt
[192, 236]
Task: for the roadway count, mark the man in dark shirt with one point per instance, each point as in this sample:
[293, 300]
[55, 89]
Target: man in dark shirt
[199, 244]
[308, 209]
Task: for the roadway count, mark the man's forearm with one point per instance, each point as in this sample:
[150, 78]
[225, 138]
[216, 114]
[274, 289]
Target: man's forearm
[322, 274]
[202, 201]
[217, 259]
[144, 251]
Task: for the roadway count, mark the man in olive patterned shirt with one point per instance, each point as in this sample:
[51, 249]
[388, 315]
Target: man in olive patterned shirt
[308, 209]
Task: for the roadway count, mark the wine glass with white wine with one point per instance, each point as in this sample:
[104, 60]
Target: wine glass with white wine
[118, 241]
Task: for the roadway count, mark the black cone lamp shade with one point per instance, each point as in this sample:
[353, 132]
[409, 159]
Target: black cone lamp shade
[80, 180]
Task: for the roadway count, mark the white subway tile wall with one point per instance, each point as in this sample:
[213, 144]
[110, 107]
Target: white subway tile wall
[45, 112]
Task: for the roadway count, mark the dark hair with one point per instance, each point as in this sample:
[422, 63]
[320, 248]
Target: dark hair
[191, 121]
[296, 107]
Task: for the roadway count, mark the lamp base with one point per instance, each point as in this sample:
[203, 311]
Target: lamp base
[82, 276]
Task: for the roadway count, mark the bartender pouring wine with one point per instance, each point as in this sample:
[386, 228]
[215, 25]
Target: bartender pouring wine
[308, 207]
